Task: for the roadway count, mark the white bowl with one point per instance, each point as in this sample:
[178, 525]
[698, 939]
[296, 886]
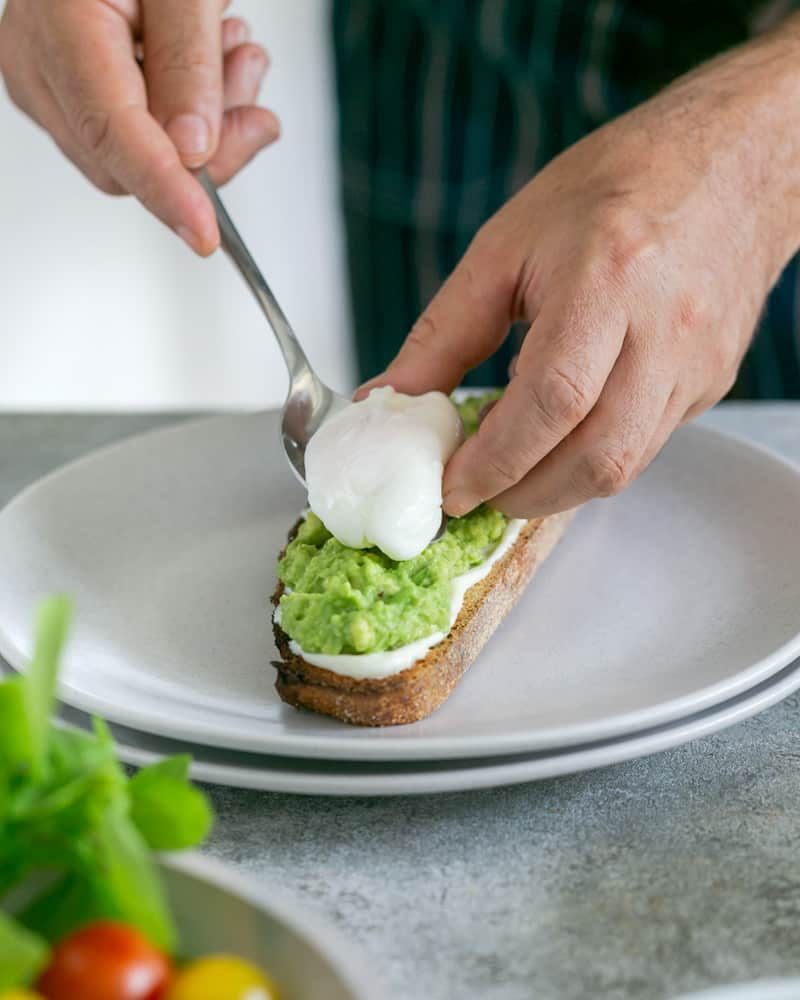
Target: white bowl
[218, 909]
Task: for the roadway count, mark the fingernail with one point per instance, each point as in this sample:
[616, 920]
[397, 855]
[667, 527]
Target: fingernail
[190, 237]
[364, 390]
[458, 502]
[256, 67]
[190, 133]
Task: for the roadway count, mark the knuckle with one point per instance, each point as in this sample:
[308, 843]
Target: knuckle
[629, 240]
[423, 333]
[5, 65]
[603, 472]
[503, 471]
[722, 361]
[105, 182]
[181, 59]
[691, 312]
[95, 132]
[561, 396]
[14, 94]
[725, 383]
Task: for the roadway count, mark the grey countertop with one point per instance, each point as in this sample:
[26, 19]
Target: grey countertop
[672, 872]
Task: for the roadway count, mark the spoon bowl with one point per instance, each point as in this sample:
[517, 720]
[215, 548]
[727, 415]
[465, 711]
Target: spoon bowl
[310, 402]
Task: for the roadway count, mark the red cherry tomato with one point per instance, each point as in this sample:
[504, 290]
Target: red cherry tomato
[105, 961]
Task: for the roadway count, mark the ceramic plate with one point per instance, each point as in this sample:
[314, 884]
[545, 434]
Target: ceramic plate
[321, 777]
[679, 594]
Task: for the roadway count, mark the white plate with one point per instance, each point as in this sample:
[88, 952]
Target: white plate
[320, 777]
[675, 596]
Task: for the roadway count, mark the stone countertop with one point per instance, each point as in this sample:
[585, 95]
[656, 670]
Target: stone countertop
[673, 872]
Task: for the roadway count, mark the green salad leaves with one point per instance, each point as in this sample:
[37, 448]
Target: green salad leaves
[76, 834]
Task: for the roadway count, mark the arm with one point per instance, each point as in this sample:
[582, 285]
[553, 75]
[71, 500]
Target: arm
[641, 257]
[72, 66]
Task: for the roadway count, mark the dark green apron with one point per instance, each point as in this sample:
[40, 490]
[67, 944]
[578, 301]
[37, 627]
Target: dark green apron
[446, 107]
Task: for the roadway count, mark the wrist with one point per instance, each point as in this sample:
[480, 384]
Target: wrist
[750, 101]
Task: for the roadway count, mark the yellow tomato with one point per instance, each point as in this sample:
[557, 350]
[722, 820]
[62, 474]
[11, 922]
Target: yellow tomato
[221, 977]
[20, 995]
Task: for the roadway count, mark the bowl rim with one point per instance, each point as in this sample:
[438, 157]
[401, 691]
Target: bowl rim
[349, 963]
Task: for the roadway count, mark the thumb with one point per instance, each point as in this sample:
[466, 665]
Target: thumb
[183, 69]
[464, 324]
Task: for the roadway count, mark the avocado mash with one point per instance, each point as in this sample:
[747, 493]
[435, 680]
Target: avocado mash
[344, 600]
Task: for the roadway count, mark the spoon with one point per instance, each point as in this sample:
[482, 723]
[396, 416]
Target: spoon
[309, 401]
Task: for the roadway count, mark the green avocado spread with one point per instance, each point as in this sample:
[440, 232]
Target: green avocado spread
[343, 600]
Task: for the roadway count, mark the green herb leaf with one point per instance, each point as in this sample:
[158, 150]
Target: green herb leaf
[15, 742]
[170, 813]
[75, 833]
[70, 903]
[176, 767]
[51, 630]
[22, 954]
[130, 880]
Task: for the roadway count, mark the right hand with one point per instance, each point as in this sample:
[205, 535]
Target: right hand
[72, 67]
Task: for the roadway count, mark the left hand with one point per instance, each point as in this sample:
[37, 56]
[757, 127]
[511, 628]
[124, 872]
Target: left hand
[641, 257]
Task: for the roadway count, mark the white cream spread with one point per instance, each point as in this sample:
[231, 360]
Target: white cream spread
[374, 470]
[392, 661]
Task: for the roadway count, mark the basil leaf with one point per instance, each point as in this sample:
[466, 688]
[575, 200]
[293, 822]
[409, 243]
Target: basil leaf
[15, 742]
[130, 880]
[40, 682]
[170, 813]
[176, 767]
[23, 954]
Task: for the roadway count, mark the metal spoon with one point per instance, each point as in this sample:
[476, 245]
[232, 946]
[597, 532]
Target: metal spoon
[309, 401]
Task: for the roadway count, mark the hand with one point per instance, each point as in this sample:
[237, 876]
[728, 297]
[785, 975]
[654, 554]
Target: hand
[641, 257]
[72, 67]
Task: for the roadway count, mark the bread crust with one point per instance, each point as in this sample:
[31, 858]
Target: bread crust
[418, 690]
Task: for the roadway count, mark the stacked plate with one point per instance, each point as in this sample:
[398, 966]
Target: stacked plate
[665, 614]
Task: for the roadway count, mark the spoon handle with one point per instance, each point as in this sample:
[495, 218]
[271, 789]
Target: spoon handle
[233, 244]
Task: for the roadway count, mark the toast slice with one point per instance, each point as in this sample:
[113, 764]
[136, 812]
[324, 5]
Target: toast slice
[418, 690]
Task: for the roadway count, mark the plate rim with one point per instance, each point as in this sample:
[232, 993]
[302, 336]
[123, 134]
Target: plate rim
[561, 763]
[347, 746]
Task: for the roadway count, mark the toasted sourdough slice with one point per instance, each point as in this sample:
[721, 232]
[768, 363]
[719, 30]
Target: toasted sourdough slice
[415, 692]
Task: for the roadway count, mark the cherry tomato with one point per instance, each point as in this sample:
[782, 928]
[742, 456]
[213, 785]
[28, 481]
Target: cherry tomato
[105, 961]
[221, 977]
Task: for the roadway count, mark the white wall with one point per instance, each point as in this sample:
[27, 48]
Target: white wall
[102, 307]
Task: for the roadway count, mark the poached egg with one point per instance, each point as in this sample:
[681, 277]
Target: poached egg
[374, 470]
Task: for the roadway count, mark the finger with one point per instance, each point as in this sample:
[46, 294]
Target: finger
[235, 31]
[101, 91]
[466, 321]
[183, 67]
[676, 413]
[245, 131]
[604, 454]
[563, 365]
[243, 72]
[131, 10]
[46, 111]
